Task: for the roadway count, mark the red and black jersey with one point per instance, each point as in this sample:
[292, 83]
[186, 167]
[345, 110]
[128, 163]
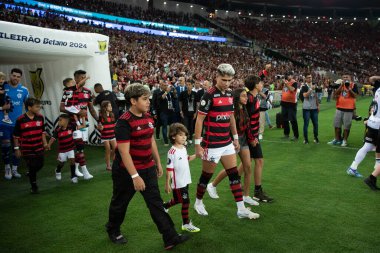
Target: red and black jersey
[70, 96]
[138, 131]
[65, 139]
[253, 108]
[243, 123]
[29, 132]
[108, 131]
[218, 108]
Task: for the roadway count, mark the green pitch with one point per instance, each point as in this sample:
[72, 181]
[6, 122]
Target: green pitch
[317, 208]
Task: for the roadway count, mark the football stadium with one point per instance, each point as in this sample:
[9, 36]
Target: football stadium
[190, 126]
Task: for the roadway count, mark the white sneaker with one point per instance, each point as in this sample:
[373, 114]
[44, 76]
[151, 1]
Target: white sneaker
[246, 213]
[86, 174]
[190, 228]
[74, 180]
[260, 136]
[200, 209]
[344, 143]
[78, 173]
[8, 121]
[250, 201]
[8, 174]
[212, 191]
[58, 175]
[16, 174]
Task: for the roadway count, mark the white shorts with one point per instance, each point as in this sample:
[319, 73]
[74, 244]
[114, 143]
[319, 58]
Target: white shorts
[79, 134]
[63, 157]
[103, 140]
[214, 154]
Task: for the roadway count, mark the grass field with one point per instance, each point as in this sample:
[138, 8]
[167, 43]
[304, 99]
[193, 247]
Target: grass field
[317, 208]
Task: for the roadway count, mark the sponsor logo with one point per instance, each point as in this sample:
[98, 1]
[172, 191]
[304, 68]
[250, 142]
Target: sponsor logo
[19, 95]
[150, 125]
[224, 117]
[37, 83]
[230, 100]
[38, 123]
[203, 102]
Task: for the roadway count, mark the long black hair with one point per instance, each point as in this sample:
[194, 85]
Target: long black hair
[236, 95]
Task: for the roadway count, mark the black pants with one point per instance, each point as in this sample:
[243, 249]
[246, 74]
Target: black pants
[34, 164]
[123, 192]
[158, 126]
[188, 121]
[289, 113]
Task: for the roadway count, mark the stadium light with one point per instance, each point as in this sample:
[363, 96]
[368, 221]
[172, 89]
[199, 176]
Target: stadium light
[271, 15]
[191, 6]
[330, 18]
[319, 17]
[177, 4]
[354, 18]
[239, 12]
[295, 16]
[283, 16]
[341, 18]
[202, 8]
[378, 18]
[250, 14]
[226, 11]
[262, 14]
[307, 17]
[216, 10]
[366, 19]
[165, 3]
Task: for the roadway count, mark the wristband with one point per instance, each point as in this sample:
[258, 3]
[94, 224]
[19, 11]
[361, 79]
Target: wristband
[135, 175]
[197, 141]
[236, 137]
[16, 148]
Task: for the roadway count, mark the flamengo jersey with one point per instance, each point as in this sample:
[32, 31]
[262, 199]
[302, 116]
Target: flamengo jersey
[253, 108]
[178, 164]
[29, 132]
[374, 119]
[65, 139]
[218, 108]
[17, 97]
[138, 131]
[108, 131]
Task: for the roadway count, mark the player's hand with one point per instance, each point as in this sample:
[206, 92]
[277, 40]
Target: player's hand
[199, 151]
[18, 153]
[182, 116]
[138, 183]
[6, 107]
[47, 147]
[167, 188]
[159, 170]
[236, 144]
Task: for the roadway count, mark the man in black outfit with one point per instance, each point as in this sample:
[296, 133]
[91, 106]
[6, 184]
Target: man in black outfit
[166, 100]
[106, 95]
[156, 109]
[188, 105]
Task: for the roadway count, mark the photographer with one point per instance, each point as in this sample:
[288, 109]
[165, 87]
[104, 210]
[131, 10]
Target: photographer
[289, 106]
[345, 97]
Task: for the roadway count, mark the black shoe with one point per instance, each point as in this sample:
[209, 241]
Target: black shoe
[306, 142]
[259, 195]
[177, 240]
[316, 140]
[117, 238]
[371, 183]
[357, 118]
[34, 190]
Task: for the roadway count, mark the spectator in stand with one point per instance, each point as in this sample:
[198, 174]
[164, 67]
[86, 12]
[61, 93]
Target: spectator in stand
[345, 97]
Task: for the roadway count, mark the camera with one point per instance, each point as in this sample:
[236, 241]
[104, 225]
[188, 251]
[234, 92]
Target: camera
[347, 83]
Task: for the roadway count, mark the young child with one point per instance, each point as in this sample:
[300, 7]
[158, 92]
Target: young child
[30, 139]
[3, 99]
[107, 128]
[178, 171]
[64, 134]
[69, 91]
[136, 168]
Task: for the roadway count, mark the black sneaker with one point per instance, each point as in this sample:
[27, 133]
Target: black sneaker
[316, 140]
[177, 240]
[259, 195]
[371, 183]
[34, 190]
[357, 118]
[117, 238]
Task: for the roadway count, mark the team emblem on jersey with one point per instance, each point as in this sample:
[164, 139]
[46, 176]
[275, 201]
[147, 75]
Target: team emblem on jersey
[203, 102]
[150, 125]
[38, 123]
[19, 95]
[37, 83]
[184, 196]
[138, 128]
[180, 158]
